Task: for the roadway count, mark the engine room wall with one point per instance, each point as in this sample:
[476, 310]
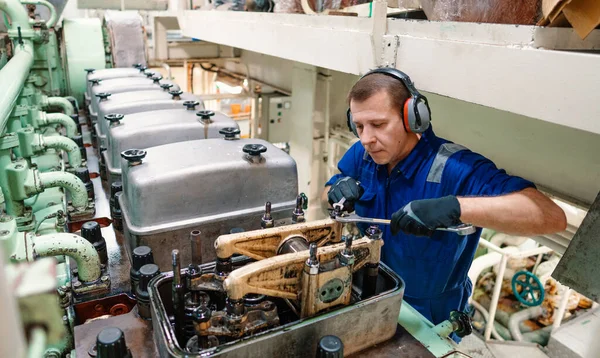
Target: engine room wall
[269, 69]
[561, 159]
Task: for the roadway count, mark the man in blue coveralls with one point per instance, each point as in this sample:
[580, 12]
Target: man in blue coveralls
[401, 170]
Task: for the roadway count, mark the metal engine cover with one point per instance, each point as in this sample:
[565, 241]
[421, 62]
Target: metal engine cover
[110, 73]
[209, 185]
[151, 129]
[121, 85]
[142, 101]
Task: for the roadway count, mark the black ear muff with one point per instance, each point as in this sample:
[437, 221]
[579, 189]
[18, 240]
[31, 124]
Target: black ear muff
[350, 123]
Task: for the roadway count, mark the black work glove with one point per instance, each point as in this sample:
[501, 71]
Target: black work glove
[422, 217]
[347, 188]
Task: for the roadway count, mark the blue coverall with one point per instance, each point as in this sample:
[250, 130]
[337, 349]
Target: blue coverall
[434, 269]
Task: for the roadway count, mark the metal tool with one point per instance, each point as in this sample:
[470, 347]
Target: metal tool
[462, 229]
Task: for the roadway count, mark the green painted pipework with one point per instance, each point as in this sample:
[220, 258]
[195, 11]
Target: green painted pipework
[15, 10]
[53, 15]
[15, 72]
[74, 246]
[59, 118]
[49, 198]
[66, 144]
[8, 235]
[69, 182]
[23, 182]
[444, 329]
[61, 103]
[37, 342]
[12, 77]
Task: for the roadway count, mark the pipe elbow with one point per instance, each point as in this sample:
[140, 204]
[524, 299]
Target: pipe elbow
[67, 122]
[518, 317]
[66, 144]
[62, 103]
[69, 182]
[74, 246]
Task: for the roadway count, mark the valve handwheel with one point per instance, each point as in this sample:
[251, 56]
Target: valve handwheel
[531, 289]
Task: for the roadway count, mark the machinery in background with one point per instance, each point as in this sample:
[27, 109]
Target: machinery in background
[191, 262]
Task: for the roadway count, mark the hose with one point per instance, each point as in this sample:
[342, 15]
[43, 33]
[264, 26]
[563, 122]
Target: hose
[60, 118]
[518, 317]
[69, 182]
[61, 103]
[66, 144]
[74, 246]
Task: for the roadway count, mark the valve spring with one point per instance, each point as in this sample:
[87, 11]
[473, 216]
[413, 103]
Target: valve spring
[192, 300]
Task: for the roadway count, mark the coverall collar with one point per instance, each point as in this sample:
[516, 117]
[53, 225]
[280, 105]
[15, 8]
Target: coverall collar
[409, 166]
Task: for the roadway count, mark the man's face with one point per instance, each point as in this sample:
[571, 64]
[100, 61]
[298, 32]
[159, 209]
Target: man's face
[380, 129]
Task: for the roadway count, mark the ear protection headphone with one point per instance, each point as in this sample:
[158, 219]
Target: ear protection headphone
[415, 112]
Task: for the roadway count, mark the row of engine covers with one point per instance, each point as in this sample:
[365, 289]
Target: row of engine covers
[182, 168]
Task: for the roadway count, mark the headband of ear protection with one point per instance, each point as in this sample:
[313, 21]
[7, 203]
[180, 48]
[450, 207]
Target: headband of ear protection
[415, 112]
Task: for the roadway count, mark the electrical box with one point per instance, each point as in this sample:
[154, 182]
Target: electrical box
[278, 117]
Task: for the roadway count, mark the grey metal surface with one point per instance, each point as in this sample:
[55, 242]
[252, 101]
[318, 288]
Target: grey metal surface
[577, 338]
[359, 326]
[402, 344]
[142, 101]
[150, 129]
[111, 73]
[578, 268]
[207, 185]
[511, 349]
[121, 85]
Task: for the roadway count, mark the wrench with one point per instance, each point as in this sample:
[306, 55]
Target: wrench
[463, 229]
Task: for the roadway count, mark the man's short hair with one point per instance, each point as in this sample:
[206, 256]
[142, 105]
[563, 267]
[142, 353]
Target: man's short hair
[368, 86]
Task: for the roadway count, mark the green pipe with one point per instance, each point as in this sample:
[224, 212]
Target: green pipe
[66, 144]
[60, 102]
[69, 182]
[5, 160]
[12, 78]
[444, 329]
[60, 118]
[37, 342]
[74, 246]
[16, 12]
[53, 16]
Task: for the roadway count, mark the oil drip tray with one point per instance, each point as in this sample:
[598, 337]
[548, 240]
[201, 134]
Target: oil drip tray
[363, 323]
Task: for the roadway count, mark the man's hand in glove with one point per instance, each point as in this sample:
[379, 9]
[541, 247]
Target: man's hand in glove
[347, 188]
[422, 217]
